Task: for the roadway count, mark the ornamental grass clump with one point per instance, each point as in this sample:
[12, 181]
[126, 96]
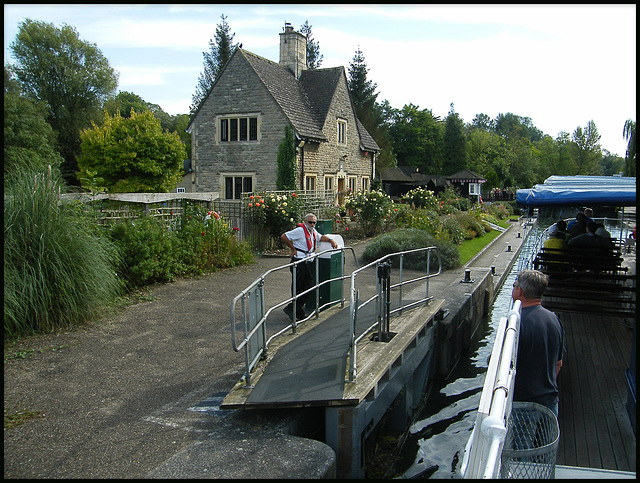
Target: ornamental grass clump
[59, 269]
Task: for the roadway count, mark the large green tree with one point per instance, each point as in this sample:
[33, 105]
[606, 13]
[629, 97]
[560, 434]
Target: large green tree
[29, 141]
[69, 75]
[221, 47]
[587, 150]
[454, 144]
[417, 139]
[369, 112]
[129, 155]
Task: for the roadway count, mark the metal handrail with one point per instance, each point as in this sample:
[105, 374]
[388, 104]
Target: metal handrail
[484, 449]
[355, 306]
[259, 326]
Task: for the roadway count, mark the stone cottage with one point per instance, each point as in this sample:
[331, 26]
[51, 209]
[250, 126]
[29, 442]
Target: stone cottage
[238, 127]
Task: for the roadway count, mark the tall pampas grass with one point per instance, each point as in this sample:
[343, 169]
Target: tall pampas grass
[59, 269]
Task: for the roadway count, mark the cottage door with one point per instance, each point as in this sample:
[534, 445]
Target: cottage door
[341, 191]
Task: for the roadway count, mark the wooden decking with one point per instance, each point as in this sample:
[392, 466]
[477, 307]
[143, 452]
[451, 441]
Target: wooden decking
[595, 430]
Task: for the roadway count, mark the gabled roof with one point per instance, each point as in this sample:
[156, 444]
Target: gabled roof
[411, 175]
[288, 93]
[305, 102]
[466, 176]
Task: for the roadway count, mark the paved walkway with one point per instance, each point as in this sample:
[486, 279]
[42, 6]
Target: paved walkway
[123, 396]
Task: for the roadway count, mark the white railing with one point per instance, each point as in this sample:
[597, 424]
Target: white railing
[483, 451]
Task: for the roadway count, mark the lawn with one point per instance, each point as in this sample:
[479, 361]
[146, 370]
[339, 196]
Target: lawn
[469, 248]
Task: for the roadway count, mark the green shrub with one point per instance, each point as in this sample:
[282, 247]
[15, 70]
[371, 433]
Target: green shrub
[371, 209]
[200, 242]
[149, 252]
[470, 224]
[420, 198]
[59, 270]
[410, 239]
[274, 213]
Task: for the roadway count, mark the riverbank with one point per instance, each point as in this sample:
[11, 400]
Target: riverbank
[135, 395]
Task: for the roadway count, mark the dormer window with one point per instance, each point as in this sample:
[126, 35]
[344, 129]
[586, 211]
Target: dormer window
[342, 131]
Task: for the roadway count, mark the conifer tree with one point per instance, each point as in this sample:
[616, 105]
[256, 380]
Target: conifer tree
[314, 57]
[220, 49]
[454, 143]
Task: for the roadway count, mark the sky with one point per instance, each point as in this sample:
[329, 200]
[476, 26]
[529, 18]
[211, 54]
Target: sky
[559, 65]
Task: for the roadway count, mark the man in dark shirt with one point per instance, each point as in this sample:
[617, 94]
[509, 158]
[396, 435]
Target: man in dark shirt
[540, 343]
[588, 239]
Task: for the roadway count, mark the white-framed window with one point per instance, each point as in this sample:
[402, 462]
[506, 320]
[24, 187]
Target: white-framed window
[365, 183]
[342, 131]
[181, 190]
[328, 183]
[310, 182]
[237, 183]
[474, 188]
[353, 183]
[238, 128]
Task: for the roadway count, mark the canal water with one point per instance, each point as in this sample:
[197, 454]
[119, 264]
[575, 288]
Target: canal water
[435, 442]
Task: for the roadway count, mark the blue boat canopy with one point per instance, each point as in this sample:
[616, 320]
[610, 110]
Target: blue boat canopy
[580, 191]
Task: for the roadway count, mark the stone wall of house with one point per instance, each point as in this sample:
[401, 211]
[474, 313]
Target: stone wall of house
[326, 159]
[238, 91]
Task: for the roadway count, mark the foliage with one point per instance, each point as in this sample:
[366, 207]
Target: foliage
[420, 198]
[370, 209]
[286, 174]
[132, 154]
[29, 141]
[454, 144]
[314, 57]
[587, 150]
[416, 136]
[450, 201]
[201, 242]
[274, 213]
[220, 49]
[70, 75]
[409, 239]
[59, 270]
[471, 226]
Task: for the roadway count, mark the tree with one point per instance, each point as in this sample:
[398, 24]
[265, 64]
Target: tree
[587, 151]
[512, 126]
[220, 49]
[314, 57]
[286, 175]
[69, 75]
[454, 144]
[417, 139]
[363, 91]
[629, 133]
[131, 155]
[484, 122]
[29, 141]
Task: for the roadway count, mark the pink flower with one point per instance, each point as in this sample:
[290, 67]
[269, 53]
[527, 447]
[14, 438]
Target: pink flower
[202, 233]
[235, 228]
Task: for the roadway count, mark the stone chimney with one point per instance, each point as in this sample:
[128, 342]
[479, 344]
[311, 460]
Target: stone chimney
[293, 50]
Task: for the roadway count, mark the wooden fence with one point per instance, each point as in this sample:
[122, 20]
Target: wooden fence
[169, 207]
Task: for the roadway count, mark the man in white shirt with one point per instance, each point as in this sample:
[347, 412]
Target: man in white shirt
[302, 241]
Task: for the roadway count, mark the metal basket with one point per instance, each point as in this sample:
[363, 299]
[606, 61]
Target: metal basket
[531, 444]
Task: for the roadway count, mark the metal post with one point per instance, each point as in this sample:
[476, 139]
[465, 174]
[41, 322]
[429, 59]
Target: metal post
[294, 302]
[317, 291]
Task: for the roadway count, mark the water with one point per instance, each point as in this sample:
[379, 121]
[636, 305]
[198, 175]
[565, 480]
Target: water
[435, 444]
[436, 440]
